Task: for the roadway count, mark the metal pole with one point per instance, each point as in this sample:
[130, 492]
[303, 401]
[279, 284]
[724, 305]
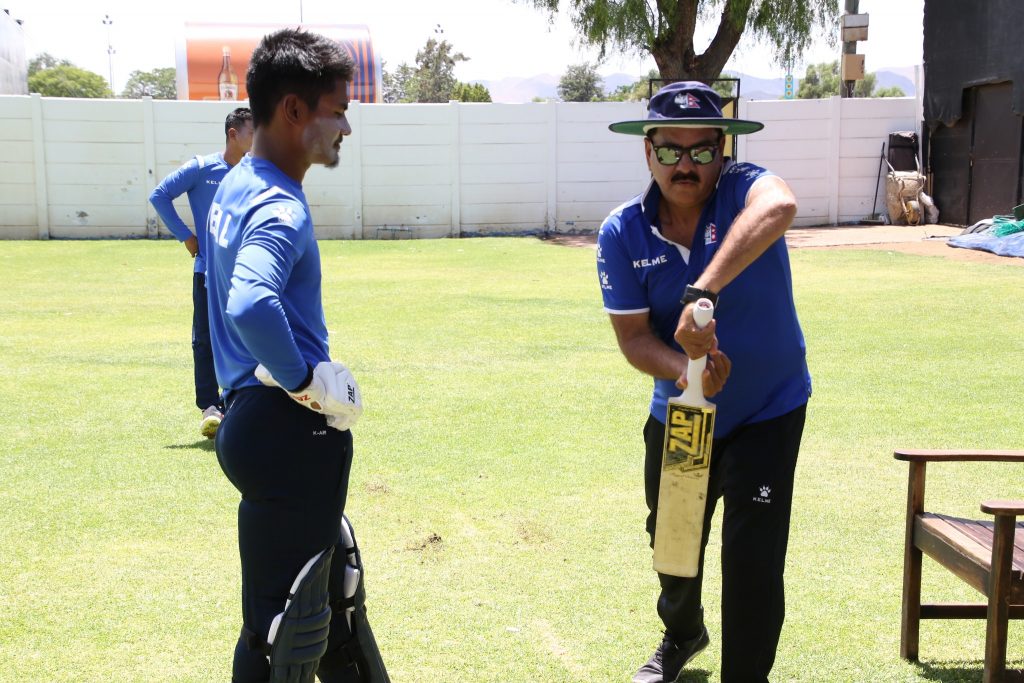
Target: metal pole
[849, 48]
[108, 22]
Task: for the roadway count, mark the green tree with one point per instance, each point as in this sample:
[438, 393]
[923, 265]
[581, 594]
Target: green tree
[649, 84]
[396, 83]
[725, 88]
[158, 84]
[471, 92]
[68, 81]
[891, 91]
[581, 83]
[434, 77]
[44, 60]
[664, 29]
[407, 84]
[822, 80]
[636, 91]
[865, 86]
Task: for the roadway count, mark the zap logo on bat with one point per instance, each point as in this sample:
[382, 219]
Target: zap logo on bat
[687, 436]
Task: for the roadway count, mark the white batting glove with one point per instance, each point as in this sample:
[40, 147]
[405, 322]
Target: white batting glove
[345, 401]
[343, 422]
[333, 392]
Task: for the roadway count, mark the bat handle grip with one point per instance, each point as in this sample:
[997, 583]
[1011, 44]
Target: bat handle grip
[703, 312]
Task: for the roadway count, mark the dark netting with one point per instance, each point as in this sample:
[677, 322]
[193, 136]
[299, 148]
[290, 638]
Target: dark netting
[967, 44]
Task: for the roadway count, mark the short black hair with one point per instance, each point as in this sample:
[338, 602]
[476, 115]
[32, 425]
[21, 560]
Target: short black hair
[236, 119]
[294, 62]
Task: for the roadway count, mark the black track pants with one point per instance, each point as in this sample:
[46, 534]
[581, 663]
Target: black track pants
[753, 470]
[292, 471]
[207, 391]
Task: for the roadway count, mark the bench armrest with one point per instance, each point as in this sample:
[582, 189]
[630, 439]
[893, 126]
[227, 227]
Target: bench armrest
[957, 455]
[1003, 507]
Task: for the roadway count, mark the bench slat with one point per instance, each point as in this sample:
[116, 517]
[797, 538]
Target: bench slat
[959, 455]
[964, 546]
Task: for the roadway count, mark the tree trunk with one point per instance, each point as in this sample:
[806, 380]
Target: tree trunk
[673, 50]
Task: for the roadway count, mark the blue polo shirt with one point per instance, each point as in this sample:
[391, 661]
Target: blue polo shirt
[263, 279]
[640, 271]
[199, 177]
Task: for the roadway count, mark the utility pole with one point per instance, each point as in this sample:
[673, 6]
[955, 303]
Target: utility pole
[108, 22]
[851, 67]
[849, 48]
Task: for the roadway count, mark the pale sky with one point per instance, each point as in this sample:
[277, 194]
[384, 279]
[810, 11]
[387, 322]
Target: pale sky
[501, 38]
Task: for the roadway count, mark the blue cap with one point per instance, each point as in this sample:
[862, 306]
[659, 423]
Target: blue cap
[686, 104]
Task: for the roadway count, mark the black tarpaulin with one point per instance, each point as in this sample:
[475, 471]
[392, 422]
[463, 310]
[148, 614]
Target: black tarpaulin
[968, 43]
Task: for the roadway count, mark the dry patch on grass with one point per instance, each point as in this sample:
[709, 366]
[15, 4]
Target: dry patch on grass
[430, 542]
[920, 240]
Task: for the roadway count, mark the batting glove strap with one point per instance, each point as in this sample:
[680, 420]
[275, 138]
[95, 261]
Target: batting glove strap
[305, 381]
[332, 391]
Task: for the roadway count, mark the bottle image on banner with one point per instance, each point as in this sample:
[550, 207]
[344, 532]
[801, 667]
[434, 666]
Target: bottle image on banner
[227, 81]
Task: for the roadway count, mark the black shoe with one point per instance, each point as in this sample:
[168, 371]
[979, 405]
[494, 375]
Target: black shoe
[670, 658]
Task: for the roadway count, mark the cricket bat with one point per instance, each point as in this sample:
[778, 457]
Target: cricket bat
[689, 430]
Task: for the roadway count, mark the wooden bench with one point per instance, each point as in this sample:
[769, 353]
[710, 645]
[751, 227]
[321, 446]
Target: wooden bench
[986, 555]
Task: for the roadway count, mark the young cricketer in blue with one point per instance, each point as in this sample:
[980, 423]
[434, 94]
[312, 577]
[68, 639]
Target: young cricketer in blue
[279, 444]
[710, 228]
[199, 178]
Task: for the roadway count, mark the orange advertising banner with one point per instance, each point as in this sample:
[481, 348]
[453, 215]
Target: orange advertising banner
[213, 59]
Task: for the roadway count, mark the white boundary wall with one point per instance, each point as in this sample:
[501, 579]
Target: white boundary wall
[84, 168]
[829, 151]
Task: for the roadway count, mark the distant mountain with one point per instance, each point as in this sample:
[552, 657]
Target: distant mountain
[545, 86]
[613, 82]
[513, 89]
[902, 78]
[754, 88]
[751, 87]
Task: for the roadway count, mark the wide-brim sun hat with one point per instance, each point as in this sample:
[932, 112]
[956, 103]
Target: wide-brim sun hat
[686, 104]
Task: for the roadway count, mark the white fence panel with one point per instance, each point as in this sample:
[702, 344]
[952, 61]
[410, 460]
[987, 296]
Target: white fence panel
[597, 169]
[18, 181]
[503, 169]
[866, 125]
[85, 168]
[837, 140]
[405, 152]
[86, 136]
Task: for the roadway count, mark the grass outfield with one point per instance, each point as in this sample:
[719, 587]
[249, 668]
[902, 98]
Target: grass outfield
[497, 489]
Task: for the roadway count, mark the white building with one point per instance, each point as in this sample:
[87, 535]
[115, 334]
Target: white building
[13, 63]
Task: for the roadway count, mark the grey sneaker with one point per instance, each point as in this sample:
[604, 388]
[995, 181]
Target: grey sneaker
[211, 421]
[670, 658]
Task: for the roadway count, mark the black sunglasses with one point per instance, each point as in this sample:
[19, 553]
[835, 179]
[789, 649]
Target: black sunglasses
[669, 155]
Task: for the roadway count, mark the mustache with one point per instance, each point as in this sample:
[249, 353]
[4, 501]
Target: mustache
[679, 177]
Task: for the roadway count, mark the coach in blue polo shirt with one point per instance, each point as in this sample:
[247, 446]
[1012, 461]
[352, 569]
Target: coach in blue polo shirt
[710, 227]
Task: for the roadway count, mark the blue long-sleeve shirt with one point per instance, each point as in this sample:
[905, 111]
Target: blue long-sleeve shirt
[263, 279]
[199, 177]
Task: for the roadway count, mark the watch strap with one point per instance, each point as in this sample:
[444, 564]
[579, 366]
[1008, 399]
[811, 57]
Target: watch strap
[692, 294]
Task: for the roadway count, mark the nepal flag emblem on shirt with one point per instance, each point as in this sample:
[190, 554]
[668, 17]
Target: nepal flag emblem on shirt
[710, 234]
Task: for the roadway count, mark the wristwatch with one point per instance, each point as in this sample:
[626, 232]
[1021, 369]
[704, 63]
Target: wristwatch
[693, 293]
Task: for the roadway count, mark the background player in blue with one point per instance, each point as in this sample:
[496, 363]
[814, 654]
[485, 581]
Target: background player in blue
[199, 178]
[707, 226]
[285, 442]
